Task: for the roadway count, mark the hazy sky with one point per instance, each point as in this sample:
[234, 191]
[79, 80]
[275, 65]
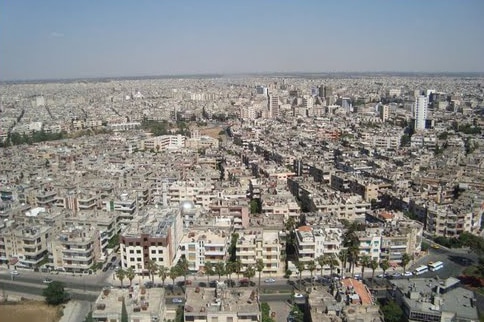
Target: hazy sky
[69, 39]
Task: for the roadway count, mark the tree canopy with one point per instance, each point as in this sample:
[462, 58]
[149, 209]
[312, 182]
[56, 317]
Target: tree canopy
[55, 293]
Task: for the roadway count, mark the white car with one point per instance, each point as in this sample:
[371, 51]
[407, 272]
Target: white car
[407, 274]
[14, 273]
[269, 280]
[298, 295]
[47, 281]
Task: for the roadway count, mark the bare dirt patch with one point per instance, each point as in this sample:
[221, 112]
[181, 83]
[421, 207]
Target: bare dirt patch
[29, 311]
[211, 131]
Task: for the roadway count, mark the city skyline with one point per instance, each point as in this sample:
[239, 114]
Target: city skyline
[62, 40]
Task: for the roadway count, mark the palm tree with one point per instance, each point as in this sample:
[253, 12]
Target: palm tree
[121, 274]
[249, 272]
[209, 270]
[130, 274]
[300, 268]
[373, 265]
[311, 266]
[321, 262]
[343, 258]
[332, 262]
[259, 267]
[174, 273]
[364, 262]
[152, 268]
[229, 269]
[182, 267]
[405, 260]
[162, 273]
[220, 269]
[384, 265]
[353, 252]
[238, 268]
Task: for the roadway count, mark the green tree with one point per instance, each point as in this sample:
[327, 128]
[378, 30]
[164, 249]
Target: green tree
[220, 269]
[152, 268]
[384, 265]
[311, 267]
[353, 252]
[182, 267]
[321, 260]
[405, 260]
[343, 258]
[55, 293]
[238, 268]
[163, 274]
[392, 312]
[124, 312]
[373, 265]
[364, 262]
[259, 267]
[249, 272]
[121, 275]
[405, 140]
[174, 273]
[130, 275]
[300, 268]
[266, 312]
[209, 270]
[229, 269]
[233, 247]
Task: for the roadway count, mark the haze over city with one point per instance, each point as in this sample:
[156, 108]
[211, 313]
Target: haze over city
[76, 39]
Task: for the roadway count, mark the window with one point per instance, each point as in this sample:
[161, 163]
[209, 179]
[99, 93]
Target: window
[153, 251]
[131, 251]
[138, 259]
[138, 251]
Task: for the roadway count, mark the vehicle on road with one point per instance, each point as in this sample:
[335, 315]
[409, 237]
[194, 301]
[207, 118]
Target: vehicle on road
[407, 274]
[177, 300]
[14, 273]
[47, 280]
[269, 280]
[113, 259]
[421, 269]
[435, 246]
[357, 277]
[382, 275]
[298, 295]
[436, 266]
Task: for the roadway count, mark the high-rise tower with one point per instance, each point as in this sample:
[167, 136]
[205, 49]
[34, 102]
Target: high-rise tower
[420, 111]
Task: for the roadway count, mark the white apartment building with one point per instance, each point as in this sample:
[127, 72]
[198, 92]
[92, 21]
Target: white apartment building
[313, 242]
[164, 142]
[260, 244]
[200, 247]
[420, 112]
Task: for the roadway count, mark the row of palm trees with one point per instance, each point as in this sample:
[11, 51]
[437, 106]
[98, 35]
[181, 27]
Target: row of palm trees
[181, 269]
[347, 256]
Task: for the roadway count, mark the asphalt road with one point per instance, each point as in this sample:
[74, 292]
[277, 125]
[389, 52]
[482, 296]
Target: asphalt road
[455, 261]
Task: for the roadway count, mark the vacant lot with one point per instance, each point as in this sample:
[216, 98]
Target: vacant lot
[211, 131]
[29, 311]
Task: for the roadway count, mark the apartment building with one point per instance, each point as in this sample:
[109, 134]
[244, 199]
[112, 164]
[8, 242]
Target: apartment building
[152, 236]
[221, 304]
[143, 305]
[202, 246]
[75, 249]
[315, 241]
[23, 244]
[452, 220]
[235, 210]
[255, 244]
[164, 142]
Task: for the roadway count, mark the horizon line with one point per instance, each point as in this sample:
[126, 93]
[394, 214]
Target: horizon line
[221, 75]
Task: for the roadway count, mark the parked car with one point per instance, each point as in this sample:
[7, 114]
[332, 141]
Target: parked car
[177, 300]
[298, 295]
[407, 274]
[47, 280]
[269, 280]
[14, 273]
